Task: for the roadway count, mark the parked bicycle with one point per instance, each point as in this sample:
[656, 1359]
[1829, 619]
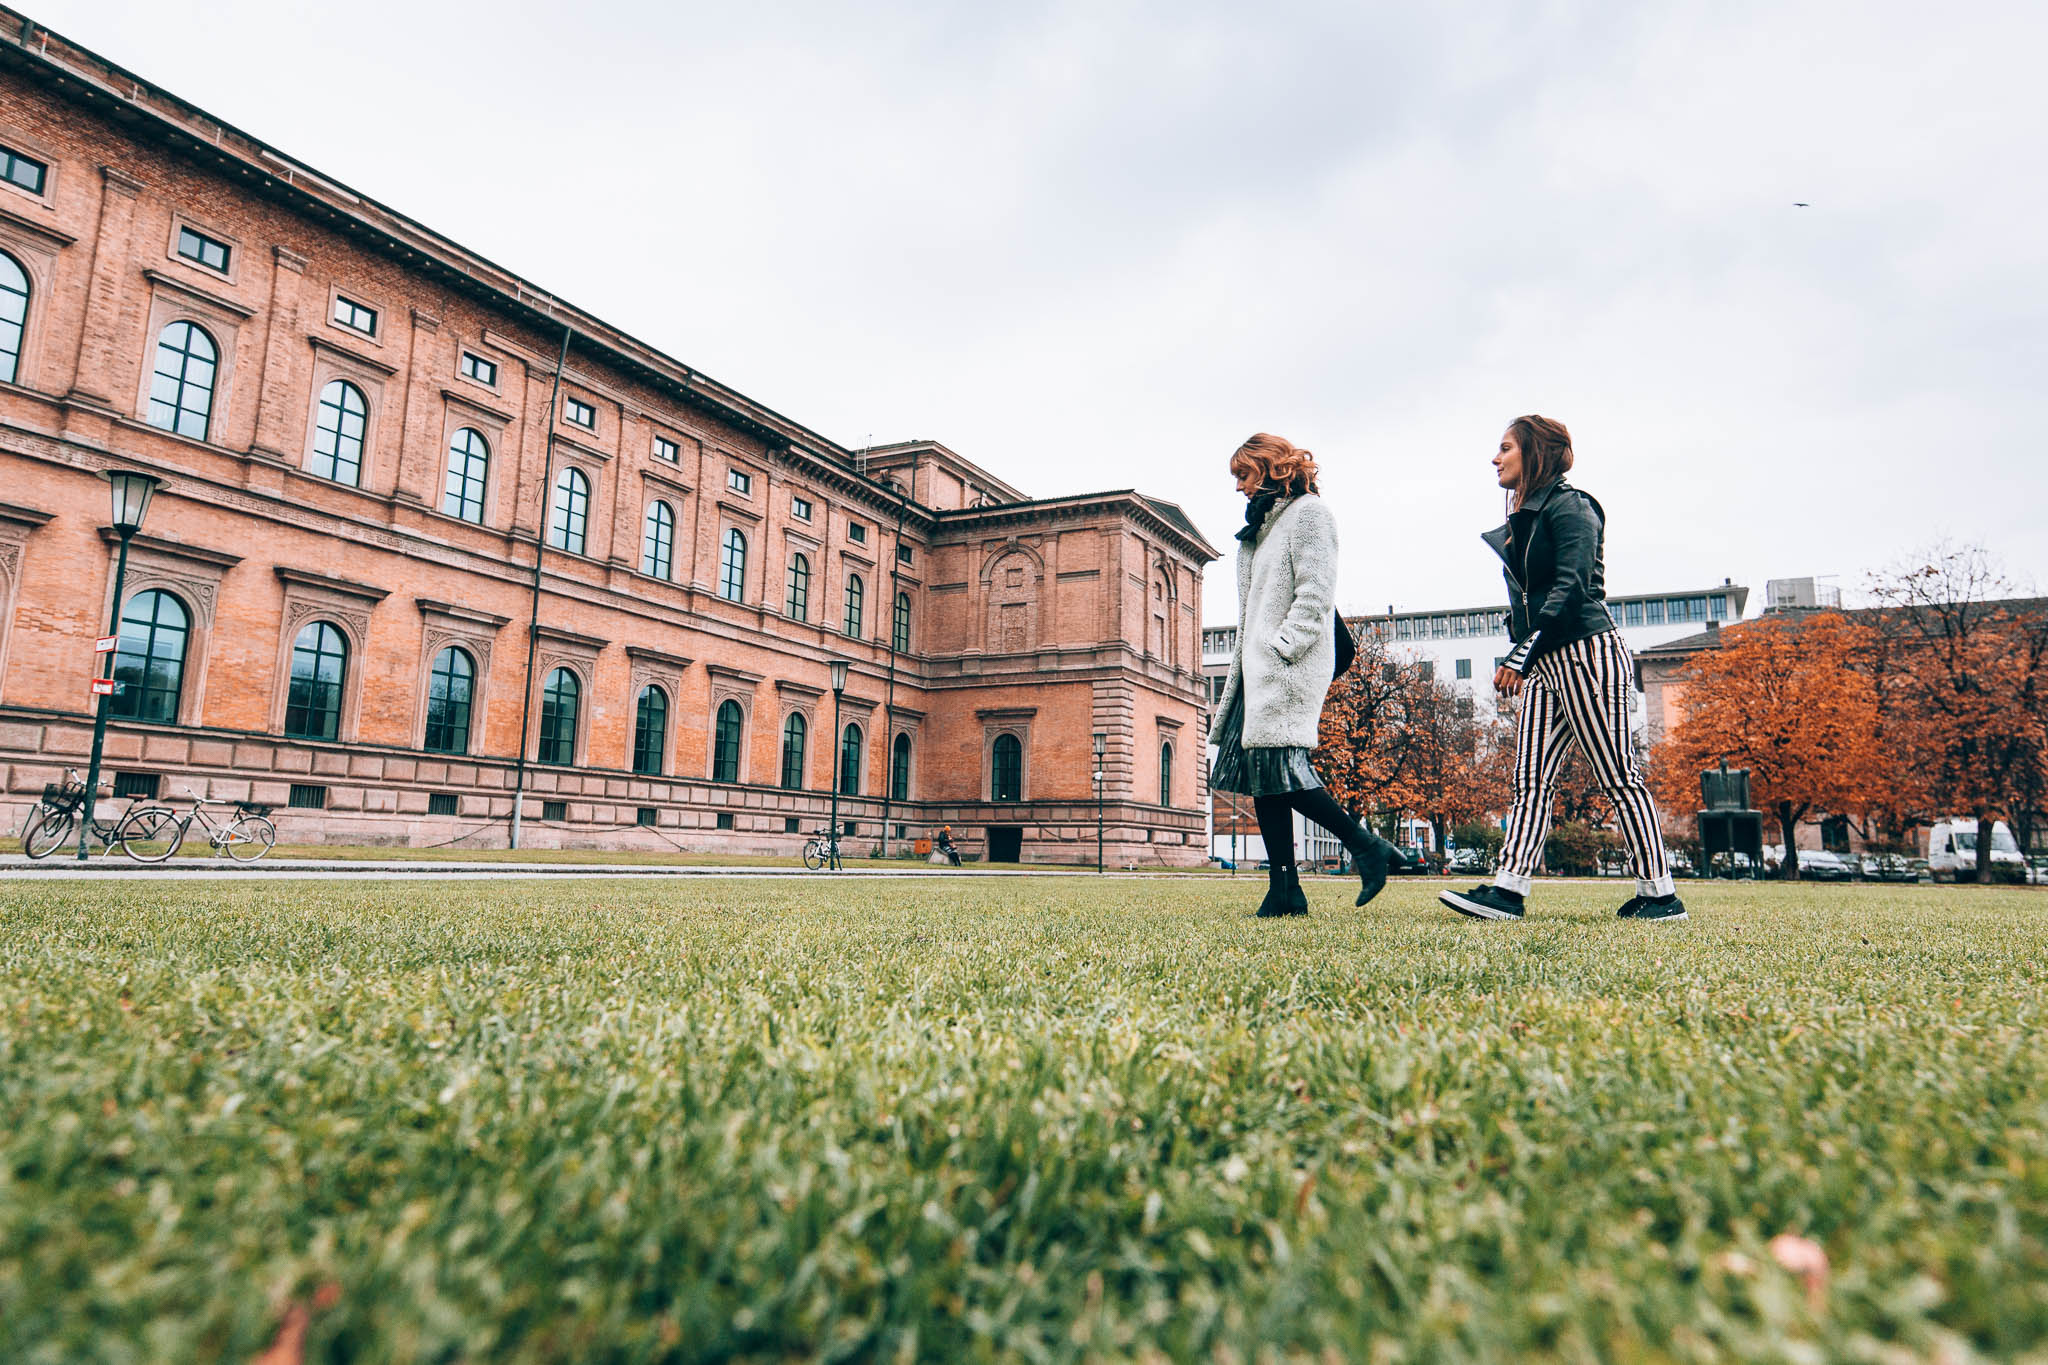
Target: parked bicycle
[153, 834]
[822, 851]
[53, 822]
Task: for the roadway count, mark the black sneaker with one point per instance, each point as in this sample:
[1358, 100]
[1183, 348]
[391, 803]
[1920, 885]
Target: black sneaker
[1630, 906]
[1485, 902]
[1659, 908]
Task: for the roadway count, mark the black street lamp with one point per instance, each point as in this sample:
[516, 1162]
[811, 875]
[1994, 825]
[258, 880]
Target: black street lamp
[1099, 738]
[131, 492]
[838, 752]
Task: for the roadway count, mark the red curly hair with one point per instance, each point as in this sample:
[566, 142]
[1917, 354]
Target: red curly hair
[1278, 462]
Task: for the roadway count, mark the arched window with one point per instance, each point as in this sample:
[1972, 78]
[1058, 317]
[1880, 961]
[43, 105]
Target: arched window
[469, 468]
[1166, 772]
[560, 702]
[650, 730]
[794, 734]
[732, 565]
[451, 692]
[181, 391]
[849, 761]
[900, 633]
[798, 605]
[312, 708]
[13, 316]
[149, 665]
[338, 434]
[572, 511]
[899, 769]
[1006, 770]
[725, 742]
[854, 593]
[657, 543]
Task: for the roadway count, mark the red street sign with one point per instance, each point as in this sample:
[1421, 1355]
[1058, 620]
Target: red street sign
[103, 687]
[105, 644]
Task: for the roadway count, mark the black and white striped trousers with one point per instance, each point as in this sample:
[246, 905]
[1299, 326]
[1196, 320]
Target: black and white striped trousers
[1580, 695]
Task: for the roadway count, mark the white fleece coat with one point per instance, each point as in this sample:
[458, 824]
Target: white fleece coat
[1286, 649]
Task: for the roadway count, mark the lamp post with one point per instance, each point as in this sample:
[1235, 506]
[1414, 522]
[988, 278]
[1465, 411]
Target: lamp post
[838, 752]
[131, 493]
[1099, 737]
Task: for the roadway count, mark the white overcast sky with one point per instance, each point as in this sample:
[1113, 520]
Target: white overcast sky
[1093, 245]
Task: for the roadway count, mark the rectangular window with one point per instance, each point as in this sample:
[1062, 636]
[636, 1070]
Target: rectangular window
[740, 481]
[1404, 630]
[856, 533]
[1653, 613]
[1428, 670]
[665, 449]
[1464, 669]
[725, 819]
[644, 815]
[143, 785]
[578, 413]
[307, 797]
[441, 803]
[24, 171]
[1631, 613]
[1717, 607]
[197, 246]
[554, 810]
[354, 316]
[791, 825]
[800, 508]
[1696, 609]
[902, 554]
[482, 371]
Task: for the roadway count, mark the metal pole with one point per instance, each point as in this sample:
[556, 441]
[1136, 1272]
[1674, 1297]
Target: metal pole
[838, 748]
[99, 723]
[1098, 816]
[540, 540]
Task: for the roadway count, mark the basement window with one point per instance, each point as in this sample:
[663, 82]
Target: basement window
[644, 815]
[441, 803]
[307, 797]
[140, 785]
[554, 810]
[725, 820]
[791, 825]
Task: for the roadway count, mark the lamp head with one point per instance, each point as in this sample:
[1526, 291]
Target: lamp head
[838, 675]
[132, 492]
[1099, 738]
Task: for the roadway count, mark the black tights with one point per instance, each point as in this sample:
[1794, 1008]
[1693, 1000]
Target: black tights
[1276, 824]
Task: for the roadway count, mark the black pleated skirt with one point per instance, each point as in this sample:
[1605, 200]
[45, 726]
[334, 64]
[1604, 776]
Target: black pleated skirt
[1256, 772]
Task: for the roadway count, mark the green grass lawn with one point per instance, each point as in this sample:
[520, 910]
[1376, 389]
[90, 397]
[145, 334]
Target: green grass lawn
[1029, 1121]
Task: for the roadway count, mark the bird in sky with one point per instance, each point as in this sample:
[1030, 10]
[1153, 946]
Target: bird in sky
[1797, 205]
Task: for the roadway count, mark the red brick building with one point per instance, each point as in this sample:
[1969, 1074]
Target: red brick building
[367, 433]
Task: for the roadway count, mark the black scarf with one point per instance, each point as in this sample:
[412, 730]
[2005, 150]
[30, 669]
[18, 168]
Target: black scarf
[1256, 511]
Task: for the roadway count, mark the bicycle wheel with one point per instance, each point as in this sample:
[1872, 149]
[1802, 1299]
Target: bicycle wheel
[48, 830]
[813, 858]
[249, 838]
[151, 834]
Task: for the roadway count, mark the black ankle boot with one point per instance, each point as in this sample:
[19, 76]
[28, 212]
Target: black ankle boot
[1372, 864]
[1283, 894]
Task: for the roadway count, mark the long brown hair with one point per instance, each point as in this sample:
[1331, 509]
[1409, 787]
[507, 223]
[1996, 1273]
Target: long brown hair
[1278, 462]
[1546, 455]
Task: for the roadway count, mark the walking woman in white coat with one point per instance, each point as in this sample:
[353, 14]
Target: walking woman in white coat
[1283, 666]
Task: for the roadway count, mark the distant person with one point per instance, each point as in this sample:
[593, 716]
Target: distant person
[950, 853]
[1284, 662]
[1572, 671]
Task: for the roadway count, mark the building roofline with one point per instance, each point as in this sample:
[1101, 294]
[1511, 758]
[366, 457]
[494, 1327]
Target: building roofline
[83, 76]
[1134, 503]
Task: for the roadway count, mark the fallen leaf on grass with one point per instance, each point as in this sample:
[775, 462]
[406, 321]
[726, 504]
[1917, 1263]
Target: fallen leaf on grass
[288, 1347]
[1806, 1259]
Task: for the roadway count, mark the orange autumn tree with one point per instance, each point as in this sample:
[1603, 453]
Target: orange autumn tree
[1365, 749]
[1790, 699]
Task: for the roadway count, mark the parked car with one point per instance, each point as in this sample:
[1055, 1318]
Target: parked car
[1889, 867]
[1818, 864]
[1952, 847]
[1470, 860]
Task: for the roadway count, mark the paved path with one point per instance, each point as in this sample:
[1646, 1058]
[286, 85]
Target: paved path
[17, 868]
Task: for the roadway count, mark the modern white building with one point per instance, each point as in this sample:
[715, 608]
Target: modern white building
[1462, 646]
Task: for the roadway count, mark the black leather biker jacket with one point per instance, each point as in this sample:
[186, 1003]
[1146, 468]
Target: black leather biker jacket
[1551, 549]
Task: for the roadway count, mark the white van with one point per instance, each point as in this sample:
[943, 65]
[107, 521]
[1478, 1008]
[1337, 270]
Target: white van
[1952, 845]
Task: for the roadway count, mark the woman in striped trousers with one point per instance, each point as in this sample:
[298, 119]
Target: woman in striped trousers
[1572, 672]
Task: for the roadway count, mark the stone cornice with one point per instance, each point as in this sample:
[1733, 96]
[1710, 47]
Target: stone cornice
[467, 615]
[642, 654]
[215, 559]
[556, 635]
[302, 578]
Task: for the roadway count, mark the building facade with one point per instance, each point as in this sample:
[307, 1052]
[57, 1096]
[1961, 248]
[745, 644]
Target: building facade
[429, 536]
